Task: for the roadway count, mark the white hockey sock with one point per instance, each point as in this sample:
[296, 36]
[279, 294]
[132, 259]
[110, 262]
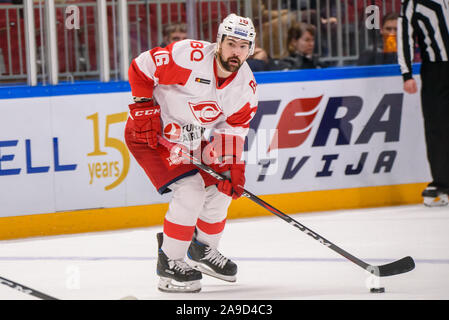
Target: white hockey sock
[174, 249]
[212, 220]
[211, 240]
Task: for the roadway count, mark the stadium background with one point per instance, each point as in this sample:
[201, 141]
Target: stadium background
[64, 96]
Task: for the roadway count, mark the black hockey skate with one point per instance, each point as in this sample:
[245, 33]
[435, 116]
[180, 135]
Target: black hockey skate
[434, 197]
[210, 261]
[176, 275]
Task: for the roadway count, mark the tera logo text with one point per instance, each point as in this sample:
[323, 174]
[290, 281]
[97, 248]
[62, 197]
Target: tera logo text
[341, 116]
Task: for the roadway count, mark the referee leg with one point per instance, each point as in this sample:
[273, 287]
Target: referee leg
[435, 107]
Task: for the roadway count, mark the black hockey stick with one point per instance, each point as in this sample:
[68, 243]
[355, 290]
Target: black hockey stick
[397, 267]
[37, 294]
[24, 289]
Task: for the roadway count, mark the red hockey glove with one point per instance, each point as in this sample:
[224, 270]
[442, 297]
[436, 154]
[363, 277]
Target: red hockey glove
[145, 122]
[225, 152]
[234, 188]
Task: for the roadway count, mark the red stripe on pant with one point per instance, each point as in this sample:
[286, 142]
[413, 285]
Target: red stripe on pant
[177, 231]
[211, 228]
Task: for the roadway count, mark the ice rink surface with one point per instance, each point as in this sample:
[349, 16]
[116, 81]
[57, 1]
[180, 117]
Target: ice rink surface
[276, 261]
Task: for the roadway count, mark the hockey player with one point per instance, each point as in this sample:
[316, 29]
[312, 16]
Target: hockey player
[181, 92]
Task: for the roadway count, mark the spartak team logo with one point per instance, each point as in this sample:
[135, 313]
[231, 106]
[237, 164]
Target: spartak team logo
[172, 131]
[206, 112]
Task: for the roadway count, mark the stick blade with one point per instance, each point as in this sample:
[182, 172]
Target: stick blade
[397, 267]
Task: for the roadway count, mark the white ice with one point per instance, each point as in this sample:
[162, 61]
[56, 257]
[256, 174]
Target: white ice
[275, 259]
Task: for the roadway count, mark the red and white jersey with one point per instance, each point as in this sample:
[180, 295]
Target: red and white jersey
[182, 78]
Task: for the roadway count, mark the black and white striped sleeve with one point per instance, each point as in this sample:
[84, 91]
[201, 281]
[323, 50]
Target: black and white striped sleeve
[405, 39]
[427, 22]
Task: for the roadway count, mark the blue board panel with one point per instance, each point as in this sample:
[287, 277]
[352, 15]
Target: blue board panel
[95, 87]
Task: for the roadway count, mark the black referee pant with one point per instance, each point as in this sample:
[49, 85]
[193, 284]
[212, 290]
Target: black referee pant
[435, 108]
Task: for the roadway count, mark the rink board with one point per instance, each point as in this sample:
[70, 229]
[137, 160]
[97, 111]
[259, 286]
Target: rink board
[80, 221]
[321, 140]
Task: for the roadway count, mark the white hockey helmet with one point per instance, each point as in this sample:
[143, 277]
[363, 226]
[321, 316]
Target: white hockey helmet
[238, 27]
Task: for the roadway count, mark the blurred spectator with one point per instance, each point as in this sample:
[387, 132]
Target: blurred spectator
[387, 52]
[262, 61]
[259, 61]
[300, 46]
[273, 19]
[174, 32]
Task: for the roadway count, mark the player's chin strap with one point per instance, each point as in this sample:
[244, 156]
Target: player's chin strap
[396, 267]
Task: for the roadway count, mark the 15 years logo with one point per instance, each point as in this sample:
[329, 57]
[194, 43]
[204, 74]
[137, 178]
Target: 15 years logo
[105, 167]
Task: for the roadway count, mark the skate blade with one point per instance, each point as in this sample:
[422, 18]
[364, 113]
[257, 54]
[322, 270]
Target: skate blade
[172, 286]
[439, 201]
[206, 270]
